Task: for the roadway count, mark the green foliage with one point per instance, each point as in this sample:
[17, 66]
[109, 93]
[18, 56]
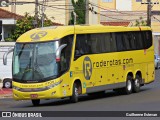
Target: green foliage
[141, 22]
[79, 9]
[25, 24]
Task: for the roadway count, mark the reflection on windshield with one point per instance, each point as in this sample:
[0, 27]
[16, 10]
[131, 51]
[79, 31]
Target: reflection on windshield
[36, 61]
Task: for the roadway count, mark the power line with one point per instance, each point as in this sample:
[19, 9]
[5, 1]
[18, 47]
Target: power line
[112, 17]
[149, 9]
[110, 10]
[156, 18]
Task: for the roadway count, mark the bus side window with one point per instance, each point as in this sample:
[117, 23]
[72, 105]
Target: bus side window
[105, 44]
[147, 39]
[94, 41]
[77, 52]
[120, 42]
[126, 41]
[83, 45]
[132, 39]
[113, 42]
[138, 40]
[66, 53]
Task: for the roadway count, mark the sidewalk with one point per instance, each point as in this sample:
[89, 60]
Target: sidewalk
[5, 93]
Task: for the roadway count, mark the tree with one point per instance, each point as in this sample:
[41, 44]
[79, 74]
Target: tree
[25, 24]
[141, 22]
[79, 9]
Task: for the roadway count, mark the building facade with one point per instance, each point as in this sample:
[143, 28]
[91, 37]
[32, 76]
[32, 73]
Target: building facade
[131, 11]
[8, 22]
[125, 12]
[53, 9]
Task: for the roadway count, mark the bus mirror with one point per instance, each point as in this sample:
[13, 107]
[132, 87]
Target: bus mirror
[5, 56]
[58, 52]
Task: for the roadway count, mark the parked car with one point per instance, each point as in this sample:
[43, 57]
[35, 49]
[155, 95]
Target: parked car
[6, 70]
[156, 61]
[6, 74]
[7, 83]
[1, 84]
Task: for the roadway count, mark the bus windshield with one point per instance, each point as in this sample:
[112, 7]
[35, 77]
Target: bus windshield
[35, 62]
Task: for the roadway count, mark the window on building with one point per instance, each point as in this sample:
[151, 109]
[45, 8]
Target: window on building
[107, 0]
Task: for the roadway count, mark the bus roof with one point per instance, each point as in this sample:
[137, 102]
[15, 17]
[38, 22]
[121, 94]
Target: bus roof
[57, 32]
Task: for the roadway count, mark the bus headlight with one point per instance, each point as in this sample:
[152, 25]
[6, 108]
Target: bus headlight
[16, 88]
[54, 85]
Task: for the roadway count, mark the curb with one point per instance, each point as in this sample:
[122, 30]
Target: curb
[6, 93]
[6, 96]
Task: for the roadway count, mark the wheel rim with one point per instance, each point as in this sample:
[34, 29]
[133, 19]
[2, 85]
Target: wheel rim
[76, 91]
[7, 85]
[137, 84]
[129, 85]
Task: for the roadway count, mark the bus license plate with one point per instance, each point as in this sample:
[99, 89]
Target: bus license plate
[34, 96]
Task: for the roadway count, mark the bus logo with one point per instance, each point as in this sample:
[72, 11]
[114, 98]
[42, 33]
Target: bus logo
[38, 35]
[87, 68]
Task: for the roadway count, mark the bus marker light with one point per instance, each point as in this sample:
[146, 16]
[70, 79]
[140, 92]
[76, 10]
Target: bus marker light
[124, 67]
[58, 59]
[16, 95]
[145, 51]
[34, 96]
[53, 93]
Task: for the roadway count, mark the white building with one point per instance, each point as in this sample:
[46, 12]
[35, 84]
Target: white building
[8, 22]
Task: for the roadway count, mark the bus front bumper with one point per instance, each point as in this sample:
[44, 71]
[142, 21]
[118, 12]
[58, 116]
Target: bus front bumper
[47, 94]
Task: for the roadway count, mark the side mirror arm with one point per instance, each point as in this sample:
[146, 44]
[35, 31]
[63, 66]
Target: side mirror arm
[58, 52]
[5, 56]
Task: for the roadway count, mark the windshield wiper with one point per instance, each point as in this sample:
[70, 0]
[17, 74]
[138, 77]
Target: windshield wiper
[26, 69]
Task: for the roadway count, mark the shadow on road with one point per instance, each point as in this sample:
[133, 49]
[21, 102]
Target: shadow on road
[84, 98]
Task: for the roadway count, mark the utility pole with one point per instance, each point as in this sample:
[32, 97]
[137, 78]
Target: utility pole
[42, 18]
[87, 12]
[75, 18]
[36, 13]
[149, 8]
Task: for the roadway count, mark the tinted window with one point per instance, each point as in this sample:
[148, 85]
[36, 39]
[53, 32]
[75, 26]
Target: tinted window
[112, 42]
[147, 39]
[66, 53]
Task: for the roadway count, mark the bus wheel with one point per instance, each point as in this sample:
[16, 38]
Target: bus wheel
[129, 86]
[36, 102]
[74, 97]
[7, 83]
[136, 84]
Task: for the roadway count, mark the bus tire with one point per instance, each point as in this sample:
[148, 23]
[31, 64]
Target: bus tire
[129, 86]
[157, 66]
[136, 84]
[36, 102]
[74, 97]
[7, 83]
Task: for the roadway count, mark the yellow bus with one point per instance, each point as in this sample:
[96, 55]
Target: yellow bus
[67, 61]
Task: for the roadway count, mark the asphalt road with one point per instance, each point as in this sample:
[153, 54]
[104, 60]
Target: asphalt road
[148, 99]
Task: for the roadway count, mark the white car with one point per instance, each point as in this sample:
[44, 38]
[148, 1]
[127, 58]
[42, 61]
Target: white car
[6, 74]
[156, 61]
